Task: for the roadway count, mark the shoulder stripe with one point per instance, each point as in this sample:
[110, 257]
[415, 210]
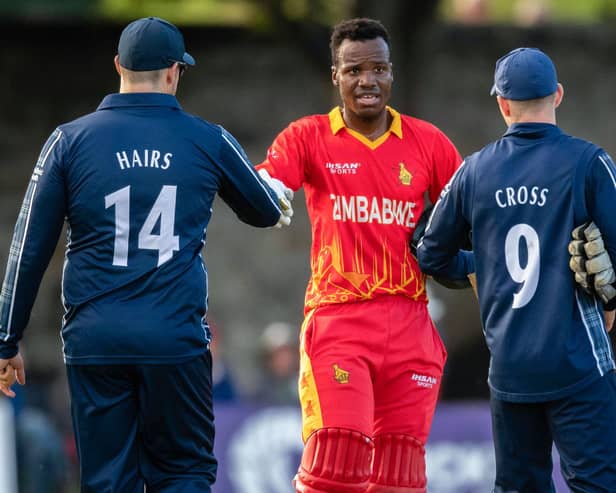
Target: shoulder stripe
[251, 169]
[44, 155]
[610, 169]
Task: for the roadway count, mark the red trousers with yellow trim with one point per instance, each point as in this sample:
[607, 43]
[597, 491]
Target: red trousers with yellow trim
[370, 366]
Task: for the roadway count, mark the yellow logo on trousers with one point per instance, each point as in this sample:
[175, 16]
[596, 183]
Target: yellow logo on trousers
[340, 375]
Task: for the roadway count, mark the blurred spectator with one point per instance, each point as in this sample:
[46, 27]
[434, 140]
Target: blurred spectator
[530, 13]
[223, 383]
[280, 361]
[471, 11]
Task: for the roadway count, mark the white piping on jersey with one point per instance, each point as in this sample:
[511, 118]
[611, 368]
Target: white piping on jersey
[207, 295]
[592, 342]
[444, 192]
[609, 169]
[22, 243]
[21, 251]
[606, 340]
[62, 297]
[252, 171]
[41, 164]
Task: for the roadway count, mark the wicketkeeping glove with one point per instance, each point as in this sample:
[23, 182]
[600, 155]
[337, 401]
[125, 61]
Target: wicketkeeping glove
[591, 263]
[284, 194]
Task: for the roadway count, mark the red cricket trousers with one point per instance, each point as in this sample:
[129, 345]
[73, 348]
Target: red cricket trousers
[372, 366]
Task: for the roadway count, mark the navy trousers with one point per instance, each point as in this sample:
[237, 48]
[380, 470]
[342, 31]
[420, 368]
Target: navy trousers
[583, 428]
[144, 425]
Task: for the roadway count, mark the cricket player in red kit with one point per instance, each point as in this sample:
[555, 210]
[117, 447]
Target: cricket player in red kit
[371, 358]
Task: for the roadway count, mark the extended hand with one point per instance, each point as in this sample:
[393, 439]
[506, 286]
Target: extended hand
[10, 371]
[284, 194]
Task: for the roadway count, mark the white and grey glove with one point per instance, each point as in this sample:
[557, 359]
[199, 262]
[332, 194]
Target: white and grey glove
[591, 263]
[284, 194]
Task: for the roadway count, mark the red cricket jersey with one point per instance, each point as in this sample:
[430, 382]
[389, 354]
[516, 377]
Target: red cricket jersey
[363, 199]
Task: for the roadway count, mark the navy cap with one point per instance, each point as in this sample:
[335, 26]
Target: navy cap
[152, 44]
[524, 73]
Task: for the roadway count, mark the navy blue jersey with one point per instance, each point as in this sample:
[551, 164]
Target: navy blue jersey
[521, 196]
[135, 181]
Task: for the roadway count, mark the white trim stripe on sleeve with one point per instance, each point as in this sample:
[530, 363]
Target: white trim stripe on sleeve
[592, 318]
[252, 170]
[9, 286]
[41, 162]
[608, 167]
[583, 314]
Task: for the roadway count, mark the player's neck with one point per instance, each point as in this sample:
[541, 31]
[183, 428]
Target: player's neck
[547, 116]
[371, 128]
[551, 121]
[141, 87]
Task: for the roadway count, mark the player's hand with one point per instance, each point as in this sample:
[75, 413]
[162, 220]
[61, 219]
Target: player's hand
[7, 378]
[609, 319]
[284, 194]
[472, 279]
[11, 370]
[591, 263]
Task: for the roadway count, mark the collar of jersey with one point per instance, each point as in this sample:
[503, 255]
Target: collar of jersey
[532, 130]
[336, 122]
[134, 99]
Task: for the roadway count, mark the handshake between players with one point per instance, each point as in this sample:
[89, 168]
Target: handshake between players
[284, 195]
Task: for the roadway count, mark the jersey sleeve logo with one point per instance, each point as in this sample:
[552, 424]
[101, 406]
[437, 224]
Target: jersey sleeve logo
[273, 154]
[405, 175]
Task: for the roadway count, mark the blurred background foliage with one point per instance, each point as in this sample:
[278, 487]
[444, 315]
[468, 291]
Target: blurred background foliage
[268, 14]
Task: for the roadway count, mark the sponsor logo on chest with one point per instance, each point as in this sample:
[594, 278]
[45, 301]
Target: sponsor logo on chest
[342, 168]
[351, 168]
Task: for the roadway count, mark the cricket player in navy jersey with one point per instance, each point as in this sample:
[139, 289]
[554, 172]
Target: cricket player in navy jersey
[135, 181]
[551, 373]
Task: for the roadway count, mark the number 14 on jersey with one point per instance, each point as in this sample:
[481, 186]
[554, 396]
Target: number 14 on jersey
[163, 211]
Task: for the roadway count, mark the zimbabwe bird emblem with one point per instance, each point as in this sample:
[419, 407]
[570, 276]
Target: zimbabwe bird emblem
[340, 375]
[405, 175]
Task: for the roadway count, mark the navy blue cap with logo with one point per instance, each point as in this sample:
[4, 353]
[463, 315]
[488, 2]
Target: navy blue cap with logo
[524, 73]
[152, 43]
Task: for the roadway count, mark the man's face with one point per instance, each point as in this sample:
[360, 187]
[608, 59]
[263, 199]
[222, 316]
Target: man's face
[363, 74]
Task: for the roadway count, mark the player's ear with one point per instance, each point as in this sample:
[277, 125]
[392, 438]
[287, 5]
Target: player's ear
[560, 93]
[334, 75]
[504, 106]
[116, 62]
[170, 74]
